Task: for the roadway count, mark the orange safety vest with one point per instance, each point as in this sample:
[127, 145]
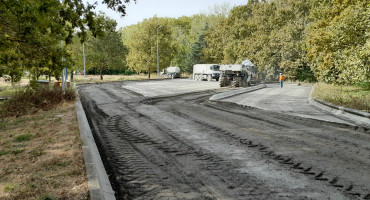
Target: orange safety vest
[281, 78]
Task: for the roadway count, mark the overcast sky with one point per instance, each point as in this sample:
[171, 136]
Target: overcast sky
[144, 9]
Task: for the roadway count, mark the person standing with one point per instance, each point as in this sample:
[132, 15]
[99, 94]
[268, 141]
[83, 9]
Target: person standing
[281, 79]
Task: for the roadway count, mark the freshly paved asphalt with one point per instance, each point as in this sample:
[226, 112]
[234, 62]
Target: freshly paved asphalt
[291, 99]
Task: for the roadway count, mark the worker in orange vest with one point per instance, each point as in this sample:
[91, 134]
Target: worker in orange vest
[281, 79]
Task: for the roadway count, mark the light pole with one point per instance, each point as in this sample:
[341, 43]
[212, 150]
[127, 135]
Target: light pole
[158, 52]
[83, 52]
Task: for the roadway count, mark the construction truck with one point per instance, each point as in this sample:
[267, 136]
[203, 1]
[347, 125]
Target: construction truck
[238, 75]
[171, 72]
[206, 72]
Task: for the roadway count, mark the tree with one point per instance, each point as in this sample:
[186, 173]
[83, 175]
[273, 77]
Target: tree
[142, 45]
[30, 31]
[196, 56]
[106, 51]
[337, 41]
[180, 43]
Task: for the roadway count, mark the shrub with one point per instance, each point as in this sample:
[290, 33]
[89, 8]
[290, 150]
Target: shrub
[30, 100]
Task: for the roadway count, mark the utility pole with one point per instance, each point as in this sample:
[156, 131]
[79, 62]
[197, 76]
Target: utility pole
[158, 52]
[61, 46]
[64, 71]
[83, 52]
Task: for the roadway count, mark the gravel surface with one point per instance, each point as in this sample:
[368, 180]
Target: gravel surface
[179, 145]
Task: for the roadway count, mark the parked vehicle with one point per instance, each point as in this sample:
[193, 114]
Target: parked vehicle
[171, 72]
[239, 75]
[206, 72]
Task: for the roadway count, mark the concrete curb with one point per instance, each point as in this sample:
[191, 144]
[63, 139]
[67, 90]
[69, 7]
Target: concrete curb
[223, 95]
[360, 118]
[98, 181]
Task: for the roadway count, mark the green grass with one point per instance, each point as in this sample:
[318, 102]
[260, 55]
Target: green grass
[17, 151]
[23, 137]
[10, 188]
[47, 197]
[3, 153]
[8, 91]
[348, 96]
[3, 124]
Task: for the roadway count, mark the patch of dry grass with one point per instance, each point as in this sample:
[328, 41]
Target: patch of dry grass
[348, 96]
[41, 156]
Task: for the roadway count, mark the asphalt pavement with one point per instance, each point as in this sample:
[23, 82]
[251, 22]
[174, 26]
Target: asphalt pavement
[291, 99]
[169, 86]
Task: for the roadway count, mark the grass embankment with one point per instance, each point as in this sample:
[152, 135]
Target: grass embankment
[40, 151]
[349, 96]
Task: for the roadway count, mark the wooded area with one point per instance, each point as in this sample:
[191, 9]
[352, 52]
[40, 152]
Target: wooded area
[307, 40]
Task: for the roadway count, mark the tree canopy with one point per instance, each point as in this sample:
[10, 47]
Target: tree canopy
[31, 30]
[306, 40]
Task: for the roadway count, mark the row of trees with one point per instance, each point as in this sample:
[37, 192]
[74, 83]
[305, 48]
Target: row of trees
[103, 52]
[305, 39]
[31, 31]
[180, 42]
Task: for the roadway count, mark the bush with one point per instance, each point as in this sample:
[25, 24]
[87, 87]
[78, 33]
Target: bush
[29, 101]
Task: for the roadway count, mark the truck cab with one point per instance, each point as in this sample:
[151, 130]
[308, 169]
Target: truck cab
[206, 72]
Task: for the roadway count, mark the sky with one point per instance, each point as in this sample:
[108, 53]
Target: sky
[144, 9]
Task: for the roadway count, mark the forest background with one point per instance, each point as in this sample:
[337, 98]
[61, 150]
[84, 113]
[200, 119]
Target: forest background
[307, 40]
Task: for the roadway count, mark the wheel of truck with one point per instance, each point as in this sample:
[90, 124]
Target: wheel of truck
[209, 78]
[217, 79]
[244, 81]
[222, 82]
[236, 82]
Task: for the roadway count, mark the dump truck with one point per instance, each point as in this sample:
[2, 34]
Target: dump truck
[206, 72]
[171, 72]
[238, 75]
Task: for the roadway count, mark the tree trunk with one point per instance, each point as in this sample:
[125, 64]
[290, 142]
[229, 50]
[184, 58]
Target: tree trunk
[71, 76]
[149, 75]
[101, 75]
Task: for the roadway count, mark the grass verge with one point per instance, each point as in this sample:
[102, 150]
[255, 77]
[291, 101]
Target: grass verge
[41, 156]
[349, 96]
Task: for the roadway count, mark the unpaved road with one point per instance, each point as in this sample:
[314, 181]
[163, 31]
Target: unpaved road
[181, 146]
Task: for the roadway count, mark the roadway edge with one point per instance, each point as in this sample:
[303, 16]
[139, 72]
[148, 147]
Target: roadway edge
[223, 95]
[98, 181]
[360, 118]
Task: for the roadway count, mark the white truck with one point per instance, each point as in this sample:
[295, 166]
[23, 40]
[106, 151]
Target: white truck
[206, 72]
[171, 72]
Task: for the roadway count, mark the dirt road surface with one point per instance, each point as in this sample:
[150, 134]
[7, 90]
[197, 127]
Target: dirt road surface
[165, 140]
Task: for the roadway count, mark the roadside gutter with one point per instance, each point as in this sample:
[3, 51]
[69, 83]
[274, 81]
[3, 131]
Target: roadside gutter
[360, 118]
[98, 181]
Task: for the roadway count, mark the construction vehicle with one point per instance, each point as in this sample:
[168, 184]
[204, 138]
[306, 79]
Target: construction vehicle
[171, 72]
[239, 75]
[206, 72]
